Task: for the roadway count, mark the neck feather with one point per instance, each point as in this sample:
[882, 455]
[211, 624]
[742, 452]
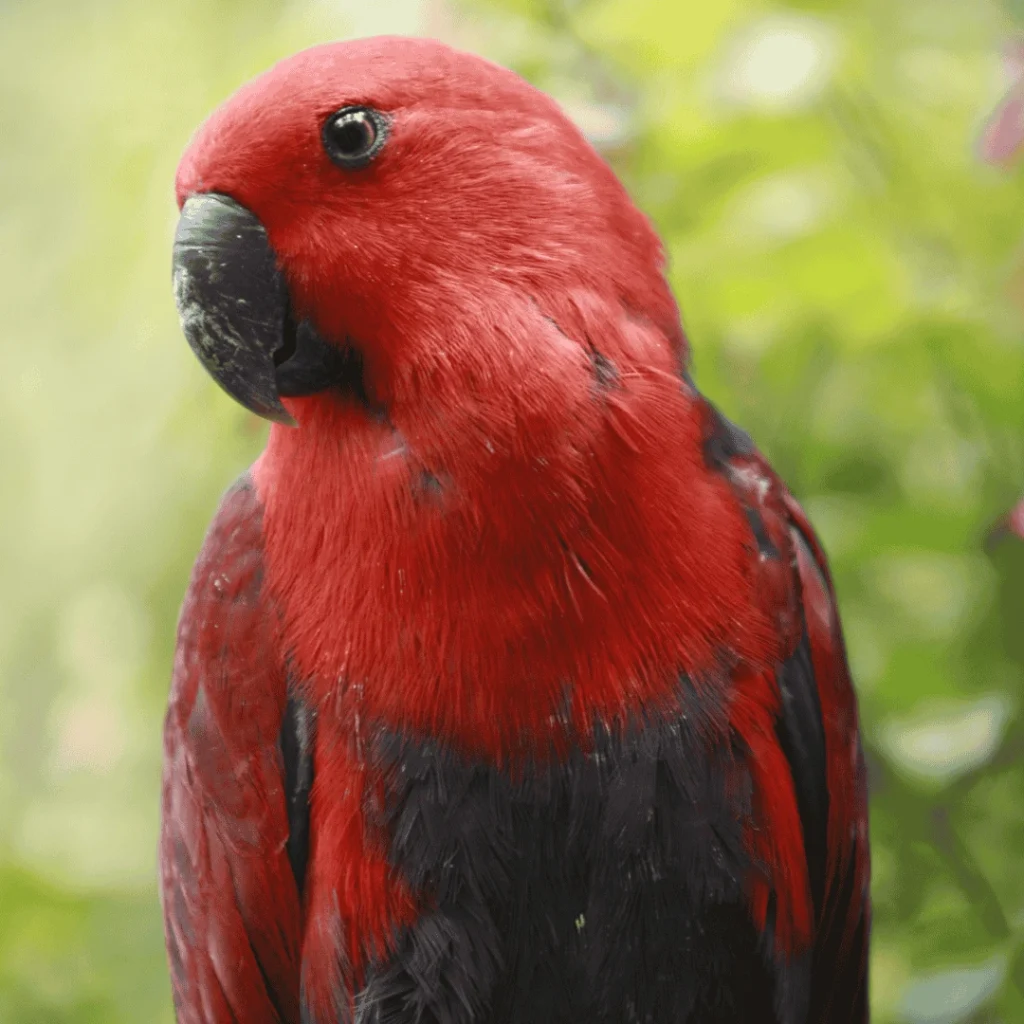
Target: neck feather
[519, 546]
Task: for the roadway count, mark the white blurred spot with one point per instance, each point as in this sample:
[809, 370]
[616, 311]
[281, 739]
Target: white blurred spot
[101, 642]
[752, 334]
[606, 125]
[941, 466]
[951, 996]
[935, 592]
[30, 381]
[90, 735]
[781, 207]
[950, 739]
[102, 636]
[396, 17]
[940, 77]
[90, 837]
[889, 970]
[778, 63]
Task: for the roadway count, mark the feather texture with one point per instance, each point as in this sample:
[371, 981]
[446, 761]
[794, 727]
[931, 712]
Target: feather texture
[231, 904]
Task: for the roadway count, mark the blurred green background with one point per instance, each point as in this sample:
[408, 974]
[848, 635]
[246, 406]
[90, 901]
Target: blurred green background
[852, 278]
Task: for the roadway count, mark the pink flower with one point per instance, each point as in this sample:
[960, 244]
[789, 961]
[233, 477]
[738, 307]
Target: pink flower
[1011, 523]
[1003, 136]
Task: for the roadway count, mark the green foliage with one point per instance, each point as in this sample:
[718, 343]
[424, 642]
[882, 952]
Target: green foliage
[852, 283]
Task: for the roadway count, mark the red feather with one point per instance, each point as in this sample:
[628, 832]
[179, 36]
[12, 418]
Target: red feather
[349, 879]
[231, 903]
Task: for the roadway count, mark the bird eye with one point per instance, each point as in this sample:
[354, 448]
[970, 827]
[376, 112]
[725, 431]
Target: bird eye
[354, 135]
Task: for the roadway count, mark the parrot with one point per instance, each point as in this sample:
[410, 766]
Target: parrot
[509, 684]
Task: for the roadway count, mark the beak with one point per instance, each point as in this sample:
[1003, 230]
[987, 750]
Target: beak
[235, 311]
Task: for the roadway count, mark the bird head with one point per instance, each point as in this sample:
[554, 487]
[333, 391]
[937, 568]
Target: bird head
[369, 219]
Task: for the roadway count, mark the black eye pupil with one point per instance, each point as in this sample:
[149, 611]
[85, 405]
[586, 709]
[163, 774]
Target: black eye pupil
[353, 136]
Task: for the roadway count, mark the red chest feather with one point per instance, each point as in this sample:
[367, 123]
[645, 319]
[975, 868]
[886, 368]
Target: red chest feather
[474, 591]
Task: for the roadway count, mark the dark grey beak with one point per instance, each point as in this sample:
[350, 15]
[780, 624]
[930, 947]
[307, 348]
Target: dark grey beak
[234, 308]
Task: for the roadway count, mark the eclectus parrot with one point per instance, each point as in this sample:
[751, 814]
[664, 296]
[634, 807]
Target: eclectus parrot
[509, 685]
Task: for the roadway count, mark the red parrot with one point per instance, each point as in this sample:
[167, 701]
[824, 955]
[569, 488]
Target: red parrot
[510, 686]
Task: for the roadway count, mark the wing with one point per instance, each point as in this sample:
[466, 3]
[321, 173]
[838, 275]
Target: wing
[821, 738]
[236, 773]
[816, 726]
